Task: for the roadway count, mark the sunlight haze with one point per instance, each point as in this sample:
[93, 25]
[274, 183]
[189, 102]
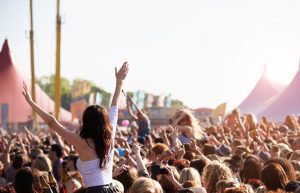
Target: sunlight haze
[202, 52]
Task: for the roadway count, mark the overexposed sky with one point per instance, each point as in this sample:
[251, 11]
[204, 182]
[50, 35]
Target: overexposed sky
[202, 52]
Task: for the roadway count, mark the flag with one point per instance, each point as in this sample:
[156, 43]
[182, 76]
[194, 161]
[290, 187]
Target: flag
[161, 100]
[99, 98]
[139, 98]
[149, 100]
[219, 111]
[168, 101]
[92, 99]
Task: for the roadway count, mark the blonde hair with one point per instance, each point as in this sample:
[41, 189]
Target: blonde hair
[251, 120]
[146, 185]
[42, 163]
[213, 173]
[190, 174]
[192, 122]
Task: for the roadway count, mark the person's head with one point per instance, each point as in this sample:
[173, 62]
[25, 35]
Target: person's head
[251, 171]
[26, 181]
[188, 119]
[189, 155]
[251, 120]
[235, 163]
[296, 144]
[42, 163]
[222, 185]
[235, 190]
[199, 164]
[140, 115]
[157, 150]
[274, 177]
[209, 149]
[286, 165]
[18, 161]
[35, 152]
[190, 174]
[96, 125]
[71, 162]
[291, 122]
[275, 151]
[127, 178]
[213, 173]
[189, 184]
[55, 152]
[146, 185]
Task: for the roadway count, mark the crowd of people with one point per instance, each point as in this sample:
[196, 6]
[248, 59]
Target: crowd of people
[237, 155]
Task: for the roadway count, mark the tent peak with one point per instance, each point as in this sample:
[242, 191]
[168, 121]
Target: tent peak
[5, 47]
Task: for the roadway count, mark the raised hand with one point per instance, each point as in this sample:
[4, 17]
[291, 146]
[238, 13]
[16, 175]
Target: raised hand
[122, 73]
[26, 93]
[136, 149]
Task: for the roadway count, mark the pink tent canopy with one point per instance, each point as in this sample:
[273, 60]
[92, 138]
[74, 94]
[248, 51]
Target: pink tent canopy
[10, 92]
[262, 95]
[288, 102]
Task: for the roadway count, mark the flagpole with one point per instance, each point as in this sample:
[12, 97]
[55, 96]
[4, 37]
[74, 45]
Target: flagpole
[32, 65]
[57, 73]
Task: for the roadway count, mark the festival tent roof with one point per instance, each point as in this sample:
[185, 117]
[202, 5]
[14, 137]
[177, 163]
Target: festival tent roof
[262, 95]
[10, 92]
[286, 103]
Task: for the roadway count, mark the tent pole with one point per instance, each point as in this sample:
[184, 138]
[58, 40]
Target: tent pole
[32, 66]
[57, 73]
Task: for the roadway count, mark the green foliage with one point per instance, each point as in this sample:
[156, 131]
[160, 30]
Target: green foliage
[47, 85]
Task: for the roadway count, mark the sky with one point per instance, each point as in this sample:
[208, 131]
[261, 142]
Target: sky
[202, 52]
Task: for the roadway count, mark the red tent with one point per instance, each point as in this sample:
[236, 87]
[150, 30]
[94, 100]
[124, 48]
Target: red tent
[10, 92]
[286, 103]
[262, 95]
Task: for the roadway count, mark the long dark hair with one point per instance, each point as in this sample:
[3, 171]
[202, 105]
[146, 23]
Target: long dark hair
[27, 181]
[96, 125]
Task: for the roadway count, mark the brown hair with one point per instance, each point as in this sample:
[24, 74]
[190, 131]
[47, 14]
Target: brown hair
[159, 148]
[127, 178]
[251, 169]
[96, 125]
[286, 165]
[199, 164]
[274, 177]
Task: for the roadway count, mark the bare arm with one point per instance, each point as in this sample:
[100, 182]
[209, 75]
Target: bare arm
[7, 161]
[139, 161]
[73, 138]
[138, 109]
[120, 76]
[132, 115]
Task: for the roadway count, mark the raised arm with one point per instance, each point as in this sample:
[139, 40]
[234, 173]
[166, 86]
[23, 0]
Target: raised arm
[138, 109]
[132, 115]
[73, 138]
[120, 76]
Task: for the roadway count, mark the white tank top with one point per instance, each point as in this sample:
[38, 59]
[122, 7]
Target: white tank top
[91, 173]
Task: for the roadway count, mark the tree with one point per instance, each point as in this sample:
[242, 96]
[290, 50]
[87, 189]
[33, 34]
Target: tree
[47, 85]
